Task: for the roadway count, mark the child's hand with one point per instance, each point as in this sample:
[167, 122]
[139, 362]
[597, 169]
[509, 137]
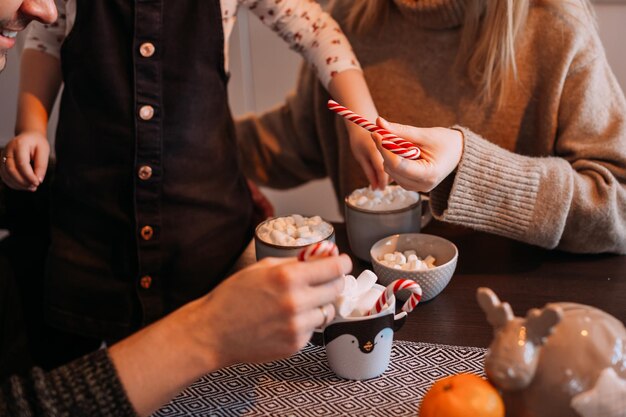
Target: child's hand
[26, 161]
[366, 154]
[441, 152]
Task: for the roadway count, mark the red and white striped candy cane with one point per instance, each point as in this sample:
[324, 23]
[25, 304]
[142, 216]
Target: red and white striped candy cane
[392, 289]
[318, 250]
[390, 141]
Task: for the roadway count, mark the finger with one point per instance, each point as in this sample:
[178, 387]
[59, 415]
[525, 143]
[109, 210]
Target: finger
[381, 175]
[411, 184]
[385, 153]
[370, 174]
[378, 171]
[14, 178]
[40, 163]
[395, 165]
[322, 270]
[316, 317]
[321, 294]
[22, 163]
[410, 133]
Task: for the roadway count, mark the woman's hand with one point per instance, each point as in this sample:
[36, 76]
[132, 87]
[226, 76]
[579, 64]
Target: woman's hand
[441, 152]
[26, 161]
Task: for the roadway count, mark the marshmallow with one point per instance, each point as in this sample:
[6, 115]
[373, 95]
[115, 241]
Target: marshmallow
[393, 197]
[358, 295]
[407, 261]
[294, 230]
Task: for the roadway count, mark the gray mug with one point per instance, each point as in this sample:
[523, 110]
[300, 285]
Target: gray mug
[366, 227]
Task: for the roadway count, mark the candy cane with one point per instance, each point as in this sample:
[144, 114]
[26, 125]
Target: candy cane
[390, 141]
[318, 250]
[392, 289]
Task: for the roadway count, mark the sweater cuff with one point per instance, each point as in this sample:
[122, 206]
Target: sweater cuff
[91, 385]
[493, 190]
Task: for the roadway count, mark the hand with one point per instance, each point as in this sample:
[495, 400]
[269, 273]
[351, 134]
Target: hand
[26, 161]
[368, 157]
[269, 310]
[441, 153]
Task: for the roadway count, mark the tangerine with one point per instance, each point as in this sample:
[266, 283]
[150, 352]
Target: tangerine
[462, 395]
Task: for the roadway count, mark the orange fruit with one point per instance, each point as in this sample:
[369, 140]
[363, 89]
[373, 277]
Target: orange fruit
[462, 395]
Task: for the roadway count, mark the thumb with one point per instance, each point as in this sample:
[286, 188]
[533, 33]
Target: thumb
[410, 133]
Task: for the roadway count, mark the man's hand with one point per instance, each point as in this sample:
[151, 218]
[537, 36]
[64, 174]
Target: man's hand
[269, 310]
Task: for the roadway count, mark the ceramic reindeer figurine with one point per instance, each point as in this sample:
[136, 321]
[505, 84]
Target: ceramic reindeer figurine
[562, 360]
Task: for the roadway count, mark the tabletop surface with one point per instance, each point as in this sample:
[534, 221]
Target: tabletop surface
[525, 276]
[440, 337]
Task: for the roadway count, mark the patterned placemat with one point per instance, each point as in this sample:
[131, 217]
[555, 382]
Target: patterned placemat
[304, 385]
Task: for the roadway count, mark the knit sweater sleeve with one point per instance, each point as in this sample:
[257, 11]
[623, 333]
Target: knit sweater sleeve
[574, 200]
[280, 148]
[88, 386]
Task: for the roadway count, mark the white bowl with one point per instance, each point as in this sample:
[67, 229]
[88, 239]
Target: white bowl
[265, 249]
[433, 280]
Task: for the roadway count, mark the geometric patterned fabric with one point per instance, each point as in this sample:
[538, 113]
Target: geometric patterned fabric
[304, 385]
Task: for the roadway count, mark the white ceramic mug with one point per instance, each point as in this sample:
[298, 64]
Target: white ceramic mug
[359, 348]
[366, 227]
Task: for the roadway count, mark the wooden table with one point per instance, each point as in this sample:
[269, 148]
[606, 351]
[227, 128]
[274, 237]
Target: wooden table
[523, 275]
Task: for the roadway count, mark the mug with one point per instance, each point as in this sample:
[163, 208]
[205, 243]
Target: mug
[366, 227]
[359, 348]
[265, 249]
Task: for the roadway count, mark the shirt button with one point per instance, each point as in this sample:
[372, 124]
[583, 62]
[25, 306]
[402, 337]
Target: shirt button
[147, 232]
[146, 112]
[145, 281]
[146, 49]
[145, 172]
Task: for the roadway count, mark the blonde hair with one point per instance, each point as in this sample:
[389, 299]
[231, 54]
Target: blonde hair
[488, 38]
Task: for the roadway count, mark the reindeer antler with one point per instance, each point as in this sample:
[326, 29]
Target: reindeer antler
[498, 313]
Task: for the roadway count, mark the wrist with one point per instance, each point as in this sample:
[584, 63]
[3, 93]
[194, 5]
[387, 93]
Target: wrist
[39, 133]
[197, 329]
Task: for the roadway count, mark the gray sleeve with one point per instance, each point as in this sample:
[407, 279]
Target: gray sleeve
[89, 386]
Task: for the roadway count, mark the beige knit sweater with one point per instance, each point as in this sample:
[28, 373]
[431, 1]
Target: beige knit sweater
[548, 168]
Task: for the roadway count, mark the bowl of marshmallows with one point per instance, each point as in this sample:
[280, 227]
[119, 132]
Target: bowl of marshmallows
[286, 236]
[426, 259]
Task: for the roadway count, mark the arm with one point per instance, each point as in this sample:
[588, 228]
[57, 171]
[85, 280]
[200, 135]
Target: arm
[89, 386]
[574, 200]
[317, 36]
[28, 152]
[281, 148]
[265, 312]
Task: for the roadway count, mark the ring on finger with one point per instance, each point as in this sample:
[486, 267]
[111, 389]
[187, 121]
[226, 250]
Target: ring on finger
[325, 314]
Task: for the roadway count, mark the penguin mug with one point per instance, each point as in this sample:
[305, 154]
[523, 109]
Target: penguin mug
[359, 348]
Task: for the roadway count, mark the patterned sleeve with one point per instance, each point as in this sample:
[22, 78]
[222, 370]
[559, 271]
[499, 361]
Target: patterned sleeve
[310, 31]
[48, 38]
[89, 386]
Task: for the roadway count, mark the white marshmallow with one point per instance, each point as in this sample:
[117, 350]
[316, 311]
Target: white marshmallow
[367, 301]
[392, 197]
[294, 230]
[399, 260]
